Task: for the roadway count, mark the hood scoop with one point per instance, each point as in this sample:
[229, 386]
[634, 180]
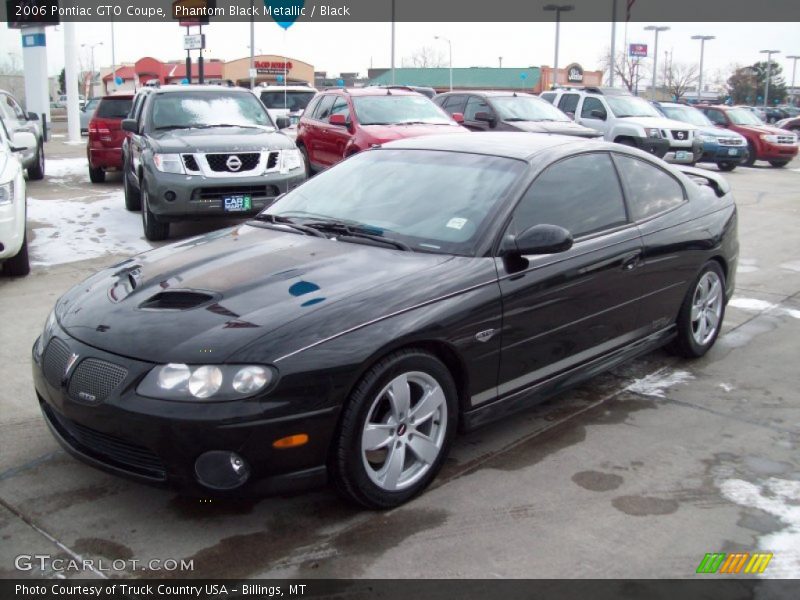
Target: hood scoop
[177, 300]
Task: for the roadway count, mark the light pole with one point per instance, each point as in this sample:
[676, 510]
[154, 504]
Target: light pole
[703, 39]
[769, 54]
[794, 69]
[657, 30]
[558, 8]
[91, 49]
[450, 46]
[500, 61]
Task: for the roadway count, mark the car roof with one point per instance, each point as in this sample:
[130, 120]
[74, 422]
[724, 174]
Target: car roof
[506, 144]
[116, 95]
[490, 93]
[288, 88]
[373, 91]
[173, 88]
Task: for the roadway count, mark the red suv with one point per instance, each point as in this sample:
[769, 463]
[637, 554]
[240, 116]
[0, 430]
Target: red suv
[764, 142]
[341, 122]
[104, 149]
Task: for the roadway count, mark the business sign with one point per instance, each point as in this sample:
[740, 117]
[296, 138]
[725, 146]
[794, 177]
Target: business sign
[194, 42]
[574, 73]
[638, 50]
[264, 67]
[31, 40]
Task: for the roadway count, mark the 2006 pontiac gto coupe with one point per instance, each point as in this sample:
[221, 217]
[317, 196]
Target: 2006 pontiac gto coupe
[353, 326]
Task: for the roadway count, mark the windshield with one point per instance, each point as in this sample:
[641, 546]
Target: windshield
[293, 100]
[631, 106]
[397, 109]
[525, 108]
[207, 109]
[433, 201]
[742, 116]
[687, 114]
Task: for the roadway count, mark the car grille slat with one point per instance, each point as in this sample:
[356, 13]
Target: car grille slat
[218, 162]
[190, 162]
[94, 379]
[216, 193]
[54, 362]
[108, 448]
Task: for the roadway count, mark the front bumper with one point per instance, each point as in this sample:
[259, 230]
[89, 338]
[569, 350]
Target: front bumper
[770, 151]
[158, 442]
[716, 154]
[684, 155]
[174, 196]
[655, 146]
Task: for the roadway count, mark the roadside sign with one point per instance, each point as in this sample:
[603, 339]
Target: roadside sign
[194, 42]
[253, 73]
[637, 50]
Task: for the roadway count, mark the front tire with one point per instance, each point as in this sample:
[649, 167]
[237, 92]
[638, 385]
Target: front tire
[726, 166]
[396, 430]
[133, 198]
[36, 172]
[701, 314]
[750, 160]
[19, 265]
[153, 230]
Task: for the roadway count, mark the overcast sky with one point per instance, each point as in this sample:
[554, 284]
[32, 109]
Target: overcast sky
[356, 46]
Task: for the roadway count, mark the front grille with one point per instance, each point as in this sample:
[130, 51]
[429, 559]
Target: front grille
[54, 362]
[723, 141]
[107, 448]
[272, 160]
[786, 139]
[94, 379]
[216, 193]
[680, 135]
[219, 162]
[190, 163]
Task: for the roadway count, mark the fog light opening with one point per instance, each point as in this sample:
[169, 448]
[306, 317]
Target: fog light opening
[170, 196]
[290, 441]
[221, 470]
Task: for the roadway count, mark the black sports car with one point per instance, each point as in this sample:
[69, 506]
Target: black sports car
[352, 327]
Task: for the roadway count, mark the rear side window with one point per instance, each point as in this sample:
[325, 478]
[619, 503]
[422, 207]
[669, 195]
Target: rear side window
[113, 108]
[324, 109]
[569, 103]
[649, 190]
[549, 96]
[581, 194]
[454, 104]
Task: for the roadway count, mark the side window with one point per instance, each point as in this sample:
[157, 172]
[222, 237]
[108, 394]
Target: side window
[716, 117]
[590, 104]
[549, 96]
[340, 107]
[475, 105]
[5, 109]
[16, 109]
[581, 194]
[324, 109]
[568, 103]
[649, 190]
[136, 107]
[454, 104]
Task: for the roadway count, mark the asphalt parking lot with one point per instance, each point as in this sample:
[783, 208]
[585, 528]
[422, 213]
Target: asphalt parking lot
[637, 474]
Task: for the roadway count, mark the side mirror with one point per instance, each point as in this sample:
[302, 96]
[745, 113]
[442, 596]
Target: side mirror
[485, 117]
[458, 117]
[539, 239]
[32, 116]
[283, 122]
[598, 114]
[22, 140]
[130, 125]
[338, 119]
[571, 115]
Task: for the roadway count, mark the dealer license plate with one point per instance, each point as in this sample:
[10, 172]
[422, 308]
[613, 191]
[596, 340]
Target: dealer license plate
[237, 203]
[732, 152]
[681, 155]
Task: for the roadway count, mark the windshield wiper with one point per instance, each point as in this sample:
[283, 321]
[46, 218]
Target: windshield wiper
[166, 127]
[343, 229]
[210, 126]
[279, 220]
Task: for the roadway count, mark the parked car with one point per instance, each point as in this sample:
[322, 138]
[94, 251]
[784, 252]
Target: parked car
[629, 120]
[286, 101]
[61, 101]
[104, 150]
[791, 124]
[13, 239]
[203, 151]
[340, 122]
[764, 142]
[510, 111]
[721, 146]
[791, 111]
[17, 120]
[774, 114]
[432, 284]
[86, 114]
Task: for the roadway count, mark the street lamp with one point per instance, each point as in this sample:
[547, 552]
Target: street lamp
[769, 54]
[703, 39]
[657, 30]
[794, 69]
[450, 46]
[91, 48]
[558, 8]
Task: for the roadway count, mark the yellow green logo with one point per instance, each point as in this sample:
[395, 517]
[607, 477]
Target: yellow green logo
[735, 562]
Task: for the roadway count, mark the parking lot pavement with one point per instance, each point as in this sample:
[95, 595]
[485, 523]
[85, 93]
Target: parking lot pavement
[638, 473]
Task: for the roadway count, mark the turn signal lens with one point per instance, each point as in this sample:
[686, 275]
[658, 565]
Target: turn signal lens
[290, 441]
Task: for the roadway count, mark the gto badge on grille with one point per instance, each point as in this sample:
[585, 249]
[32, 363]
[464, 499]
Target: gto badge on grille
[234, 163]
[73, 358]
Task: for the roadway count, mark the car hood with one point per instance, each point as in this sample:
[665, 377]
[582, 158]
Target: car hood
[220, 139]
[719, 132]
[203, 299]
[661, 123]
[388, 133]
[559, 127]
[763, 129]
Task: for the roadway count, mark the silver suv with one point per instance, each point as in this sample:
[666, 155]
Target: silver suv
[629, 120]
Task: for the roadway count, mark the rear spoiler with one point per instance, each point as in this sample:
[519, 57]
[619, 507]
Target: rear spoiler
[702, 177]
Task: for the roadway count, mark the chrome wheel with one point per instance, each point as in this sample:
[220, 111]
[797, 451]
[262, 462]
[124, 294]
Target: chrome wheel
[404, 431]
[706, 308]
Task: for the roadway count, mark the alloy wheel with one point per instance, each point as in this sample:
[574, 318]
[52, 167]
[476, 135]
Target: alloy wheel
[706, 308]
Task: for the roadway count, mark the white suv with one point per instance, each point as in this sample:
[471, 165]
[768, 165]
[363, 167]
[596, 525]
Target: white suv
[629, 120]
[13, 242]
[285, 101]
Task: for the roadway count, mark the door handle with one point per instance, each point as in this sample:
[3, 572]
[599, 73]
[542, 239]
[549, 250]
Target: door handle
[631, 261]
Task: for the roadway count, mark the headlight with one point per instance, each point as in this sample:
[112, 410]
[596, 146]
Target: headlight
[770, 138]
[168, 163]
[7, 193]
[177, 381]
[653, 133]
[47, 332]
[292, 159]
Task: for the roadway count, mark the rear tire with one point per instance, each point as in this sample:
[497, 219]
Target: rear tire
[779, 164]
[133, 198]
[97, 175]
[153, 230]
[702, 312]
[19, 265]
[36, 172]
[726, 166]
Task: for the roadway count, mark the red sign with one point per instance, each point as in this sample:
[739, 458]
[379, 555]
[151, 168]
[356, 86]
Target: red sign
[275, 66]
[637, 50]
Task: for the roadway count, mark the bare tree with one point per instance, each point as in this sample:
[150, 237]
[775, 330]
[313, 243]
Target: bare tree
[631, 70]
[679, 78]
[426, 57]
[11, 64]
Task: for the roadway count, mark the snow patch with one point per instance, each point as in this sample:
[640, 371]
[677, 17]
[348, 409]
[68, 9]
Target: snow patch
[791, 266]
[725, 387]
[63, 168]
[656, 382]
[779, 498]
[751, 304]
